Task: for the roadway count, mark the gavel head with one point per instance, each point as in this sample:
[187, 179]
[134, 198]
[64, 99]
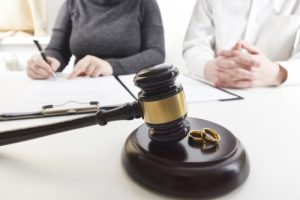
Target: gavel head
[162, 103]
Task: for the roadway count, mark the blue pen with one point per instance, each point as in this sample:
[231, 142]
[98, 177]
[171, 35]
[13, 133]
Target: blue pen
[41, 50]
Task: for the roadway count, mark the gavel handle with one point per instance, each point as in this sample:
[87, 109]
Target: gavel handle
[127, 111]
[19, 135]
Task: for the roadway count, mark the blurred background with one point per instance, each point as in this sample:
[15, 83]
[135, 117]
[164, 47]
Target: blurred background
[21, 21]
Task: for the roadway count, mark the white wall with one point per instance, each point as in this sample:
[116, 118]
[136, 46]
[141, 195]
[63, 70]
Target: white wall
[52, 9]
[176, 15]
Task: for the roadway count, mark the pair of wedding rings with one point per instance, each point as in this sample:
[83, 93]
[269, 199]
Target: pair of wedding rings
[205, 136]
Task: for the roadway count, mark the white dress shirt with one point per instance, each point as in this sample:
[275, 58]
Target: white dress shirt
[271, 25]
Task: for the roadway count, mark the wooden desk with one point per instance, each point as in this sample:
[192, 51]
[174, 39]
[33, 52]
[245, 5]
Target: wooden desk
[86, 163]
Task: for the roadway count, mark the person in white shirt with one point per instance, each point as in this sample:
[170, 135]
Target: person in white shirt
[248, 43]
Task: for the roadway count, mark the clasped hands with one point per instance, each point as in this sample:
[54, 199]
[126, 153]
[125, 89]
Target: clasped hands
[91, 66]
[244, 66]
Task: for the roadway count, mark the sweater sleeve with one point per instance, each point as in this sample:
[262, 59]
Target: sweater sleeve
[153, 45]
[198, 46]
[59, 47]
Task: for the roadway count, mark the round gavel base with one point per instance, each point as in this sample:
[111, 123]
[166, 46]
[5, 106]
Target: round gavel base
[185, 169]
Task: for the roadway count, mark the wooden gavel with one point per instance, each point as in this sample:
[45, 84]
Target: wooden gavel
[161, 103]
[165, 161]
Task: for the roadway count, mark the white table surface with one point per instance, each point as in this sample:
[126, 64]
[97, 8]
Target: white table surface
[85, 164]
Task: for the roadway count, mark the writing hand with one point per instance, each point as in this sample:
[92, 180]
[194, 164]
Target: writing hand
[37, 68]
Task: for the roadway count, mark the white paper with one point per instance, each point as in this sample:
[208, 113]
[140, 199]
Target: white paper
[195, 90]
[30, 95]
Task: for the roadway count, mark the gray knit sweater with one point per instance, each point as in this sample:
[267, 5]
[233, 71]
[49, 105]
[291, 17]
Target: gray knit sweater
[126, 33]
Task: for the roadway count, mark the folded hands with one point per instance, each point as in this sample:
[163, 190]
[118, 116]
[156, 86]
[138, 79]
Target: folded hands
[244, 66]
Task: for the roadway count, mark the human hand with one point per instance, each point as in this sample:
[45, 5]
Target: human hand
[37, 68]
[226, 72]
[264, 71]
[91, 66]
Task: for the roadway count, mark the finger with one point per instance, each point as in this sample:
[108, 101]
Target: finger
[250, 48]
[242, 84]
[31, 73]
[54, 63]
[237, 46]
[223, 76]
[243, 74]
[79, 68]
[97, 72]
[76, 72]
[229, 53]
[40, 71]
[39, 61]
[235, 84]
[245, 60]
[90, 70]
[228, 64]
[36, 75]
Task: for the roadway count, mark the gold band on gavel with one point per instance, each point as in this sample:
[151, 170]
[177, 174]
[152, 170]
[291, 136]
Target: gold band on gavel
[165, 110]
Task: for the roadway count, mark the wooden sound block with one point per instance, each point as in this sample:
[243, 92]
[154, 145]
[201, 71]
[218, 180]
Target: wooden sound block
[184, 169]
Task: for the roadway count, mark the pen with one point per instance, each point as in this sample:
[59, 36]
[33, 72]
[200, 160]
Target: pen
[41, 50]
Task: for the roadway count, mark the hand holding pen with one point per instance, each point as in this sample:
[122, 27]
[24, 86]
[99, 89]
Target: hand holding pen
[40, 66]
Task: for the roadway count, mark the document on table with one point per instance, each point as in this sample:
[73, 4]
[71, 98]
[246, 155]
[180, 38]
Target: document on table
[22, 94]
[33, 94]
[195, 90]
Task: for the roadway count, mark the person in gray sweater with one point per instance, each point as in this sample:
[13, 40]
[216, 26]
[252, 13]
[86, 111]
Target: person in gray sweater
[107, 37]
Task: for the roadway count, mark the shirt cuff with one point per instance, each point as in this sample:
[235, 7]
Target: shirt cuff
[293, 71]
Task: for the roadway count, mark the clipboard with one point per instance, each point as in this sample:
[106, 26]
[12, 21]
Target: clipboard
[57, 110]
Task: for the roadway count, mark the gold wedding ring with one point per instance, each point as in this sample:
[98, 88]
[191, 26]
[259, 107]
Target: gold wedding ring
[196, 136]
[211, 135]
[204, 136]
